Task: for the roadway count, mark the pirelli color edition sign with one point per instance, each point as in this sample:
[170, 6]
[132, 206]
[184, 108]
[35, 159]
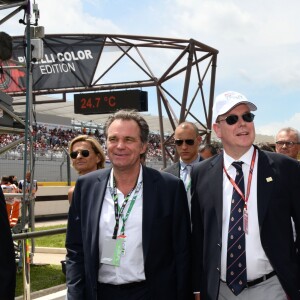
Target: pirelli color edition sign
[68, 61]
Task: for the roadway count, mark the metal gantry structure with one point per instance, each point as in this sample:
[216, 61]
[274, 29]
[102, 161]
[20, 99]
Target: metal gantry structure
[181, 72]
[141, 62]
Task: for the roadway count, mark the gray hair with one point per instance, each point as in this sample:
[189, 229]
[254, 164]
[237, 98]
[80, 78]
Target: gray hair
[128, 115]
[290, 130]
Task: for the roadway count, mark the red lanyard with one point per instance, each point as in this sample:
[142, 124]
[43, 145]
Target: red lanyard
[235, 186]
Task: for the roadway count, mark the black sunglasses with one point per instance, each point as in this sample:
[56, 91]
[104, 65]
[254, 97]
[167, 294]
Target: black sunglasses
[189, 142]
[84, 153]
[232, 119]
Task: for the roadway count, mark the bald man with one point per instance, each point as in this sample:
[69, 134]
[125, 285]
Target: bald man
[187, 142]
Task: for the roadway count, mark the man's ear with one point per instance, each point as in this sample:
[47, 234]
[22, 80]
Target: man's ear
[217, 130]
[144, 148]
[199, 139]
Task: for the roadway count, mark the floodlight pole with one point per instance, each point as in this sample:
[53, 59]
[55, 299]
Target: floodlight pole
[28, 137]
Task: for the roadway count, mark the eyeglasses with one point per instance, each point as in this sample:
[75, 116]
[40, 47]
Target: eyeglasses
[189, 142]
[84, 153]
[232, 119]
[286, 143]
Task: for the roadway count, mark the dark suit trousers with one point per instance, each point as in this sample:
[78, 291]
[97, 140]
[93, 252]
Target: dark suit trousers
[135, 291]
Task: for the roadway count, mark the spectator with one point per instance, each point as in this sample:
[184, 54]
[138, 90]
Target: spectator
[13, 179]
[12, 203]
[208, 150]
[87, 155]
[288, 142]
[49, 143]
[29, 186]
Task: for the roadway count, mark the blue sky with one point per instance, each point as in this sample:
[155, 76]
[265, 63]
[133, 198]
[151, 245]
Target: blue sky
[258, 41]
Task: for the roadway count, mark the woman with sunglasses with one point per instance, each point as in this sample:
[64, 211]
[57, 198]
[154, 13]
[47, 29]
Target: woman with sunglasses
[87, 155]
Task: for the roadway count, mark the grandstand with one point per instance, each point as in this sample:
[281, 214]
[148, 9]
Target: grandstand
[62, 115]
[55, 129]
[52, 134]
[56, 124]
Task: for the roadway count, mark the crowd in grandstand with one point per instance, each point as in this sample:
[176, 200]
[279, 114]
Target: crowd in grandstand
[52, 142]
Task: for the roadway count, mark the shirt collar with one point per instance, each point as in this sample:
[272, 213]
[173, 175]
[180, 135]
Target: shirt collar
[183, 164]
[246, 158]
[111, 180]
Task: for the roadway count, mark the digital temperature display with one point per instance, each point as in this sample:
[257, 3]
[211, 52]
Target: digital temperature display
[109, 102]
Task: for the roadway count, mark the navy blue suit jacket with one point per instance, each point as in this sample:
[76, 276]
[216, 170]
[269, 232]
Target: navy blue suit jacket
[165, 230]
[277, 201]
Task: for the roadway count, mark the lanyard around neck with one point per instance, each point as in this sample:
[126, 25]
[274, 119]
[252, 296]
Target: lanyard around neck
[235, 186]
[119, 210]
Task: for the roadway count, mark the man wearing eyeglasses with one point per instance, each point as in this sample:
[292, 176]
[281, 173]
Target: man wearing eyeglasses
[187, 142]
[242, 203]
[288, 142]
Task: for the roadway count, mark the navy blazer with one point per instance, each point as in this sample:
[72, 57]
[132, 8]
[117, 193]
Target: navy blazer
[166, 236]
[277, 201]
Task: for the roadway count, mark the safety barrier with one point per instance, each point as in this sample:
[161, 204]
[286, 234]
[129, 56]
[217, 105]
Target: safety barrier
[24, 236]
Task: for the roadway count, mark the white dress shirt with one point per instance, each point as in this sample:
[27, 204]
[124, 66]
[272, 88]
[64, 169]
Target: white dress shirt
[131, 267]
[258, 264]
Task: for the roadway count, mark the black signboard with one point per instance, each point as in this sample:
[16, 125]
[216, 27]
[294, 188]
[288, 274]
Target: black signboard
[108, 102]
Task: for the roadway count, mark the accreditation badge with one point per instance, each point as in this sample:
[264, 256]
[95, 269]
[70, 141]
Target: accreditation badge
[245, 221]
[113, 250]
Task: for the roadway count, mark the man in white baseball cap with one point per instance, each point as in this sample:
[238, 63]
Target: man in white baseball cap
[227, 101]
[242, 203]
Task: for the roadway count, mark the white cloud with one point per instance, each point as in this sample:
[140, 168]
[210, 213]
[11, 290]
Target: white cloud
[259, 41]
[66, 16]
[261, 38]
[69, 17]
[274, 127]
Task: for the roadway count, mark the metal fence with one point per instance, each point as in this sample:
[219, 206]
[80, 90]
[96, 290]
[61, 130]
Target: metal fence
[48, 166]
[44, 170]
[25, 255]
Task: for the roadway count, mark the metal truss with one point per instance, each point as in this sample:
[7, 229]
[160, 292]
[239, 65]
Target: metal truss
[156, 62]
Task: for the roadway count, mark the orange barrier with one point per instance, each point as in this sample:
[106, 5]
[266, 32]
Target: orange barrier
[13, 212]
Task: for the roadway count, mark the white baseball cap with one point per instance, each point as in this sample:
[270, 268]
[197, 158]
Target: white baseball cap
[227, 101]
